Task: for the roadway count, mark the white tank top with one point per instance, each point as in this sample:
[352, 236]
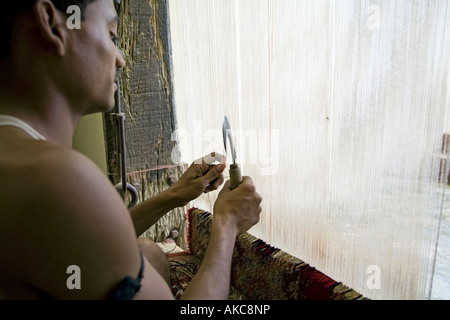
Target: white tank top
[9, 121]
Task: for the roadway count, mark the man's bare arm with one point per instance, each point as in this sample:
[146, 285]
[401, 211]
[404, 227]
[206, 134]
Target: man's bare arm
[147, 213]
[86, 224]
[234, 213]
[199, 178]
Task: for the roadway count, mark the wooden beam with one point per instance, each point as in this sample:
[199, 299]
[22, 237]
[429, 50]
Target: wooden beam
[147, 101]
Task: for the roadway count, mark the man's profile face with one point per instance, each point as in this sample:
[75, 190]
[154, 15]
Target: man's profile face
[94, 57]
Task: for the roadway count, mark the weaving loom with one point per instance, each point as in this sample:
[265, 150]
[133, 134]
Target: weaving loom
[259, 271]
[339, 111]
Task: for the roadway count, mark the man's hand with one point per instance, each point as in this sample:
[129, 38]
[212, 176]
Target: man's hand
[201, 177]
[235, 211]
[238, 208]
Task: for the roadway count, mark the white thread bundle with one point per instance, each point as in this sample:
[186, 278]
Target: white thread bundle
[343, 104]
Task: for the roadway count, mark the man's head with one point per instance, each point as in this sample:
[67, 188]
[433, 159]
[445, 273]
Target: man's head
[15, 7]
[80, 63]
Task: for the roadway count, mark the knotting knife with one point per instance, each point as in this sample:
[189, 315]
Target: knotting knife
[235, 170]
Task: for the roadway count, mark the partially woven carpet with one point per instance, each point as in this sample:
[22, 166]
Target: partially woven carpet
[259, 271]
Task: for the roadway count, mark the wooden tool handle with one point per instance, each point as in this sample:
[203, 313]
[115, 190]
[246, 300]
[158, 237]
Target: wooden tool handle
[235, 176]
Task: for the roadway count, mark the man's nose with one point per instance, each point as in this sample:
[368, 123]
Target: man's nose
[120, 61]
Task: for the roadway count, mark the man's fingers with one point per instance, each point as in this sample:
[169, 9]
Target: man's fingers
[215, 184]
[218, 182]
[211, 158]
[226, 187]
[208, 173]
[247, 179]
[213, 173]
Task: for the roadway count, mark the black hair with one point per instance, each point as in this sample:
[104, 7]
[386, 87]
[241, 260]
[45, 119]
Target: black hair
[15, 7]
[62, 5]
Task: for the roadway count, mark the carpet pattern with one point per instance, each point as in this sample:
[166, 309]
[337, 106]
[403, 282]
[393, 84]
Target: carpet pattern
[259, 271]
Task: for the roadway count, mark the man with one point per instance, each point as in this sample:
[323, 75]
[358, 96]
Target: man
[57, 209]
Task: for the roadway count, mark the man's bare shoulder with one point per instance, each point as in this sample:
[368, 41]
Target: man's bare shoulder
[67, 213]
[45, 172]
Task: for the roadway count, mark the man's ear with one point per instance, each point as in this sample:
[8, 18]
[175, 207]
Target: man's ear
[52, 24]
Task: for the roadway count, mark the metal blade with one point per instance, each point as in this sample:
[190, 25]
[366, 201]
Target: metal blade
[226, 131]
